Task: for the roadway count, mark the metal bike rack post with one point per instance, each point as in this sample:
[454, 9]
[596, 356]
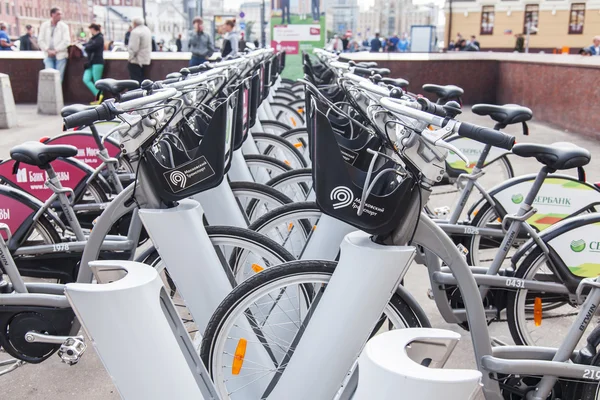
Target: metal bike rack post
[138, 333]
[239, 172]
[221, 207]
[179, 236]
[409, 362]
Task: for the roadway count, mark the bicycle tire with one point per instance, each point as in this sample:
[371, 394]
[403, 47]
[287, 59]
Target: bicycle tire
[244, 235]
[261, 190]
[279, 141]
[515, 325]
[268, 163]
[290, 109]
[267, 224]
[275, 127]
[272, 275]
[281, 179]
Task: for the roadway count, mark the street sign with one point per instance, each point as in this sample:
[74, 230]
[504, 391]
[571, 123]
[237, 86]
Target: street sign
[242, 15]
[242, 25]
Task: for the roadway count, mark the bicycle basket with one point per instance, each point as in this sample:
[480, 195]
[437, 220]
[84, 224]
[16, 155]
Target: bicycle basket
[255, 98]
[339, 185]
[176, 173]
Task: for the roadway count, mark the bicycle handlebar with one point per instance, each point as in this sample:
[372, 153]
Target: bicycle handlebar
[486, 135]
[132, 94]
[88, 117]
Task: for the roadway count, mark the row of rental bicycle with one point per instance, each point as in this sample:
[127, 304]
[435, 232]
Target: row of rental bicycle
[280, 219]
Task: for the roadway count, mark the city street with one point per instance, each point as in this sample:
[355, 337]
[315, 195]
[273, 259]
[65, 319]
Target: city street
[88, 379]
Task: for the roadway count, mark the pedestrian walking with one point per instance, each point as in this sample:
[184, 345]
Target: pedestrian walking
[178, 43]
[200, 43]
[94, 67]
[140, 49]
[594, 49]
[127, 35]
[231, 40]
[520, 43]
[376, 44]
[54, 40]
[28, 42]
[4, 39]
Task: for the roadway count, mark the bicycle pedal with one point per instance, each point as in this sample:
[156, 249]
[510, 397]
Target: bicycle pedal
[441, 211]
[71, 350]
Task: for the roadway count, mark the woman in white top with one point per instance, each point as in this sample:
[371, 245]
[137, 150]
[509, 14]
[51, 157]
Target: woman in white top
[231, 42]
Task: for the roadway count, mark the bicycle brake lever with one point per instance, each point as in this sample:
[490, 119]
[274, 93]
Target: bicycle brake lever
[437, 137]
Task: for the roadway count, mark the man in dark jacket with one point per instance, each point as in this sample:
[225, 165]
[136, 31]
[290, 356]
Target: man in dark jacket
[127, 35]
[178, 43]
[27, 40]
[200, 44]
[376, 44]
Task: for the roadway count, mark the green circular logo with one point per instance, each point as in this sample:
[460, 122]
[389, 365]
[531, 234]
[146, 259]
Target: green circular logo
[578, 245]
[517, 198]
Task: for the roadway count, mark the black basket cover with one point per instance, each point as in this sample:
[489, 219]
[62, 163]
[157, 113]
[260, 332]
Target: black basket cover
[339, 185]
[203, 168]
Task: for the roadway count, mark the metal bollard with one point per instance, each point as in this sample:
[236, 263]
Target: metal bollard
[406, 363]
[8, 110]
[50, 96]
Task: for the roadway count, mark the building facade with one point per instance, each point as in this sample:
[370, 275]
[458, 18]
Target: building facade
[555, 24]
[342, 16]
[19, 13]
[368, 23]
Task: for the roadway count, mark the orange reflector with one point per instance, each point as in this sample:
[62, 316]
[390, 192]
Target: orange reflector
[298, 145]
[257, 268]
[475, 212]
[499, 219]
[301, 110]
[44, 139]
[287, 163]
[238, 358]
[314, 227]
[294, 122]
[537, 311]
[290, 226]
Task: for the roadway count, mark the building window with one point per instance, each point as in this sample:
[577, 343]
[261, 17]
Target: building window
[7, 9]
[532, 14]
[576, 18]
[487, 20]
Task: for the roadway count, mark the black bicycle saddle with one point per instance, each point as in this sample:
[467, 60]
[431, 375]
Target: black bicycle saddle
[506, 114]
[116, 87]
[557, 156]
[39, 154]
[444, 92]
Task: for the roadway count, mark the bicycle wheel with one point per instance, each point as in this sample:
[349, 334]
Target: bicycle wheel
[274, 127]
[482, 249]
[288, 115]
[279, 148]
[256, 199]
[297, 184]
[243, 251]
[264, 168]
[298, 138]
[289, 225]
[274, 304]
[558, 314]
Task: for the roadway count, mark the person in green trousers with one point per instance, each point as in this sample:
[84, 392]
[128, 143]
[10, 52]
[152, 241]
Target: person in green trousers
[94, 66]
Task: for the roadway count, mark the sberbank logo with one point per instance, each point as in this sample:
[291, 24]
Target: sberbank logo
[517, 198]
[578, 245]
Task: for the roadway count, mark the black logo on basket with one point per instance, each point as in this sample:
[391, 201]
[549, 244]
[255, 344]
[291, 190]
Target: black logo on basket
[342, 195]
[348, 155]
[189, 174]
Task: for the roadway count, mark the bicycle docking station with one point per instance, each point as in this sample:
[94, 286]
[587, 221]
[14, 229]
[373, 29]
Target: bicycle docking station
[161, 362]
[409, 362]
